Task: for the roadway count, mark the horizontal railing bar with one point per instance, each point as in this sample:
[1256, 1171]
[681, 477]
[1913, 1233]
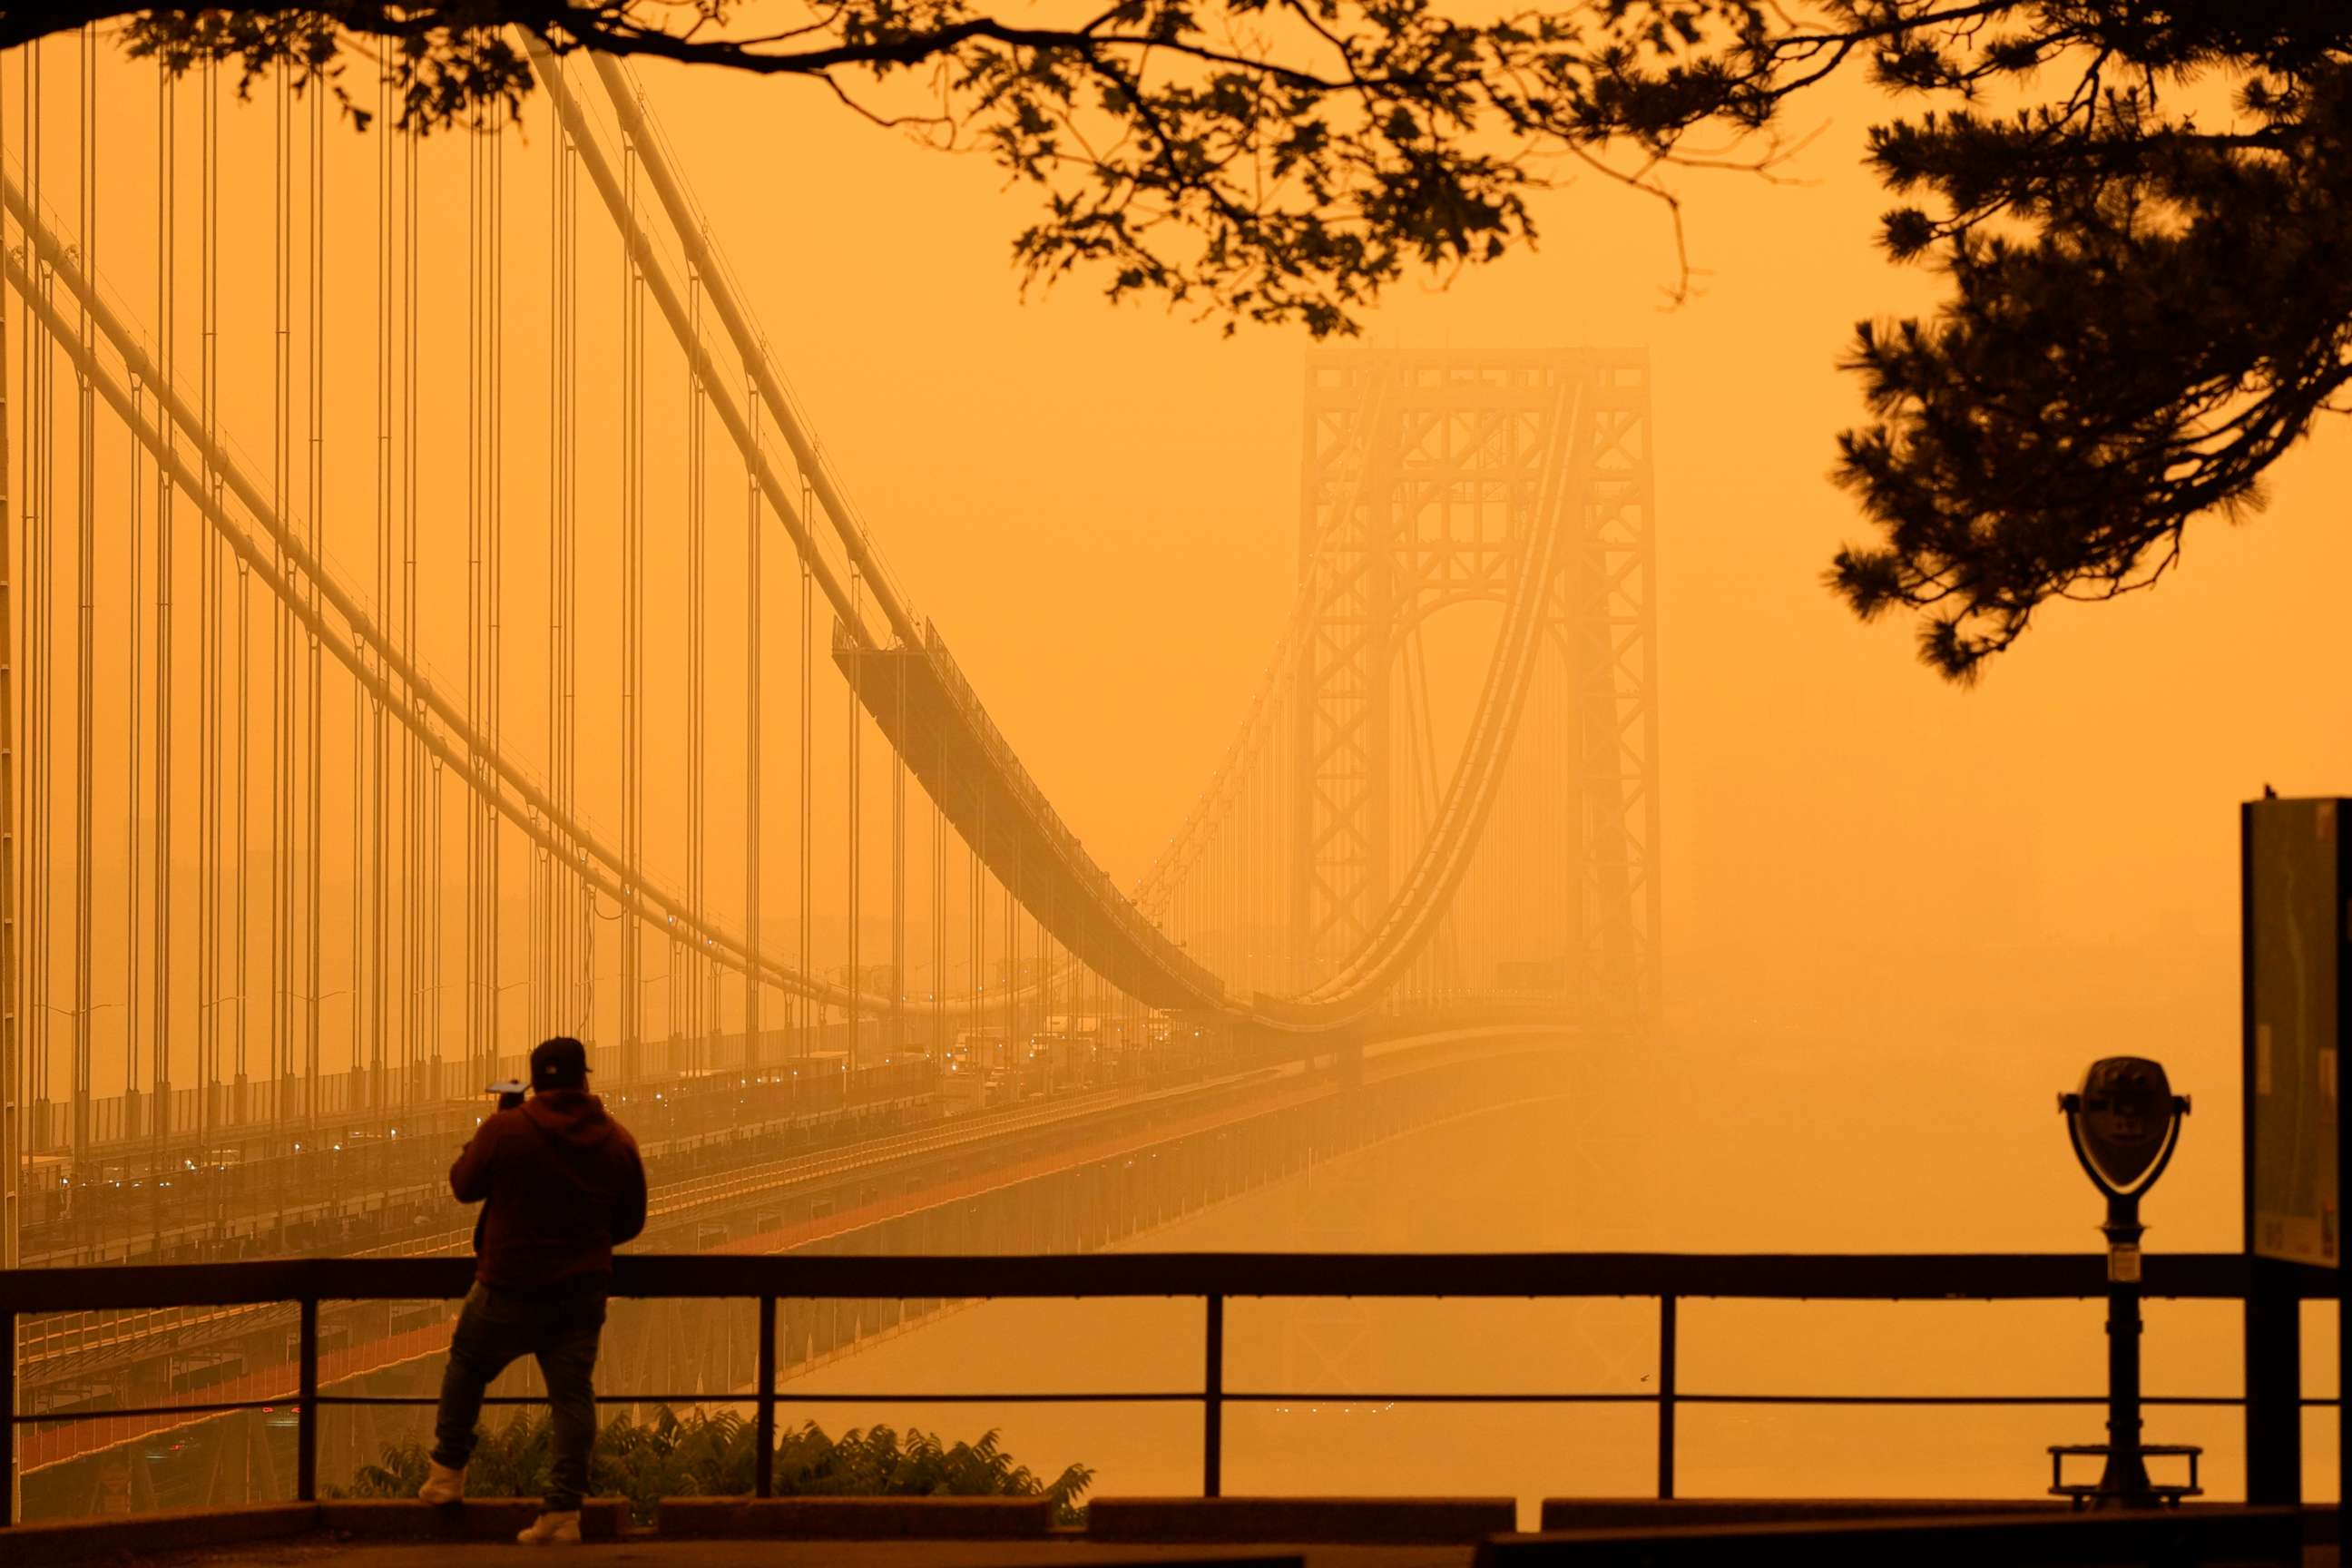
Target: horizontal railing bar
[1140, 1397]
[1180, 1396]
[432, 1399]
[1230, 1398]
[1194, 1395]
[290, 1402]
[1941, 1399]
[1979, 1277]
[141, 1411]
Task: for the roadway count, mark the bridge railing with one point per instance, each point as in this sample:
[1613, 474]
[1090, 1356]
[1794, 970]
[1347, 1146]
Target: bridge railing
[2274, 1397]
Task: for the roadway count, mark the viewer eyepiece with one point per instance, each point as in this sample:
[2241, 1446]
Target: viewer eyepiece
[2124, 1122]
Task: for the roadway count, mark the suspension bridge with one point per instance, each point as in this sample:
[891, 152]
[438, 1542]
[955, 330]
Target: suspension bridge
[435, 624]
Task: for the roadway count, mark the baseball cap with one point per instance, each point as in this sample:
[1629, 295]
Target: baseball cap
[558, 1062]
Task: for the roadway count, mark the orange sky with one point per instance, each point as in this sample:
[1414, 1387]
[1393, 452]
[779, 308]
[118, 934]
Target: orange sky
[1864, 863]
[1871, 875]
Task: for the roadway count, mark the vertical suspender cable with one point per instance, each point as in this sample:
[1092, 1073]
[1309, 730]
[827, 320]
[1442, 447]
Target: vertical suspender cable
[38, 460]
[35, 457]
[685, 968]
[86, 575]
[212, 864]
[166, 330]
[237, 1107]
[752, 728]
[208, 648]
[419, 900]
[975, 918]
[852, 982]
[281, 621]
[312, 922]
[134, 619]
[544, 944]
[633, 458]
[372, 882]
[483, 1052]
[474, 550]
[898, 867]
[1012, 967]
[566, 905]
[484, 429]
[810, 1014]
[13, 1163]
[581, 927]
[938, 933]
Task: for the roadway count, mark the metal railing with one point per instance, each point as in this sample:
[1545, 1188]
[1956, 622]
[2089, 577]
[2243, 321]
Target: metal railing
[2274, 1394]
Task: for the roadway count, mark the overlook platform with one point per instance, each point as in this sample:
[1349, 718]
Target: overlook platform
[2273, 1399]
[1825, 1534]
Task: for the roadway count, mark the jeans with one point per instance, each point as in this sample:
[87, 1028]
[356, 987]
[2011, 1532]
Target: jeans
[497, 1326]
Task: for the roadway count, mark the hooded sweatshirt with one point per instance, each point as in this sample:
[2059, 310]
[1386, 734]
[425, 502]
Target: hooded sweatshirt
[564, 1186]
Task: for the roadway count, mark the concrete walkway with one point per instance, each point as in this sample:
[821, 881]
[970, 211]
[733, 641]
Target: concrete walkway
[302, 1551]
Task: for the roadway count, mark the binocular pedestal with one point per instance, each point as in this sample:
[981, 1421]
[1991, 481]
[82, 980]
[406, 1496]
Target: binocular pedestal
[2122, 1479]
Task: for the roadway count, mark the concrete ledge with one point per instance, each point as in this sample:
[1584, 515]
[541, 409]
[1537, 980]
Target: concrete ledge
[2242, 1537]
[152, 1534]
[854, 1519]
[1647, 1512]
[1310, 1520]
[476, 1518]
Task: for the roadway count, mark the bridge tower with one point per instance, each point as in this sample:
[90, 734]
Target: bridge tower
[1421, 476]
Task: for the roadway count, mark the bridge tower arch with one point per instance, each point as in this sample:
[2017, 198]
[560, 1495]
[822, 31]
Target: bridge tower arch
[1421, 477]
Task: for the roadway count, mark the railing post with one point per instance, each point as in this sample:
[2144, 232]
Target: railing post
[306, 1408]
[7, 1416]
[1212, 1402]
[763, 1422]
[2273, 1334]
[1666, 1396]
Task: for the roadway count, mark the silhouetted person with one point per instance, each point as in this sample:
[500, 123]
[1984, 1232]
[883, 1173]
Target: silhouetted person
[561, 1186]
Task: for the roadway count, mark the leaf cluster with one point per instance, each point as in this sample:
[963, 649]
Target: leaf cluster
[2147, 304]
[1268, 161]
[2140, 207]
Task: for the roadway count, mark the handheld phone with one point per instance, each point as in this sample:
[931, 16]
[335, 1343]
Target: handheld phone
[510, 1093]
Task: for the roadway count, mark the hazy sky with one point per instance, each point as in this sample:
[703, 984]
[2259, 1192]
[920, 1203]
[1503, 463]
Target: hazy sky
[1097, 505]
[1865, 867]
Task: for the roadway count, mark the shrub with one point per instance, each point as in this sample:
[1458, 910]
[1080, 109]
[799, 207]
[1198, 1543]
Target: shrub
[710, 1454]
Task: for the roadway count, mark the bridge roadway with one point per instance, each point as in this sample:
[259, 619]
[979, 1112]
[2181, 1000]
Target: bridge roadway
[805, 1200]
[255, 1185]
[932, 718]
[687, 1196]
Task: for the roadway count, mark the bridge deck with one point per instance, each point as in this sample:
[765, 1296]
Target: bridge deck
[928, 712]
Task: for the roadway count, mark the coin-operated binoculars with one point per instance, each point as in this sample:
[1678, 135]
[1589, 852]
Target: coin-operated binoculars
[2125, 1122]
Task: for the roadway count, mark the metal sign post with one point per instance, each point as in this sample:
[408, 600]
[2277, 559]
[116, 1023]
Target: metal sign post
[2294, 881]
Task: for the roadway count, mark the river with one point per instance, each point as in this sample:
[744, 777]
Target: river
[1683, 1149]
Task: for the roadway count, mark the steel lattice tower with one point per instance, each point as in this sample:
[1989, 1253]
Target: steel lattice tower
[1422, 473]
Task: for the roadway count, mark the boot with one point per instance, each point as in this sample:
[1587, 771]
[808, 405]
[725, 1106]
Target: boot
[553, 1529]
[444, 1485]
